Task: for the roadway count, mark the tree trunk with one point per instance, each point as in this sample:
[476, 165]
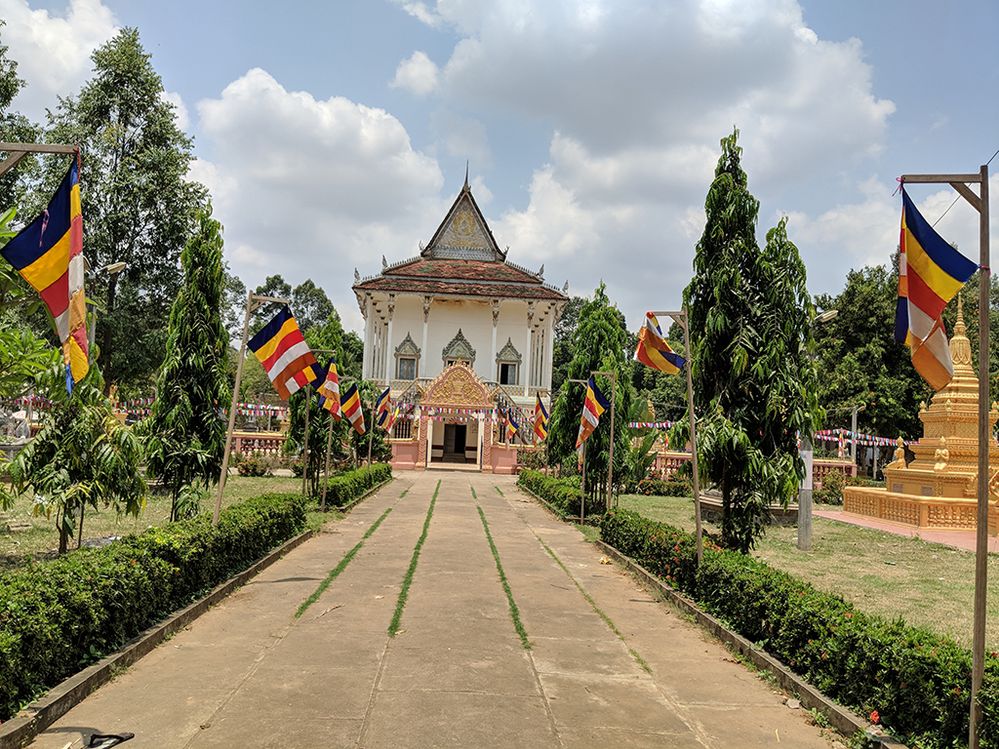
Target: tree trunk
[106, 367]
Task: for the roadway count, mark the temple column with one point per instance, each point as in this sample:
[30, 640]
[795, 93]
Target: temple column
[388, 340]
[427, 301]
[527, 348]
[492, 354]
[366, 351]
[549, 353]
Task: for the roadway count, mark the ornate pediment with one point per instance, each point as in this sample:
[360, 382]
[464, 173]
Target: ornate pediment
[408, 347]
[464, 234]
[460, 349]
[459, 387]
[508, 353]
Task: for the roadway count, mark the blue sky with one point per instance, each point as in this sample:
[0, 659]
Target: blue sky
[337, 132]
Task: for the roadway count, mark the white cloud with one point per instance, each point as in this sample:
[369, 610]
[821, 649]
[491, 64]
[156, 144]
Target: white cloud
[179, 108]
[311, 188]
[52, 49]
[417, 74]
[637, 96]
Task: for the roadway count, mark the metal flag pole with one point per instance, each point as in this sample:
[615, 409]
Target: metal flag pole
[371, 434]
[582, 499]
[980, 203]
[682, 318]
[253, 302]
[326, 472]
[305, 446]
[610, 458]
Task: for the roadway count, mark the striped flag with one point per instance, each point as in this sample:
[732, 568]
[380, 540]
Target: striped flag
[392, 419]
[329, 391]
[286, 356]
[512, 427]
[383, 407]
[653, 351]
[48, 253]
[540, 419]
[350, 404]
[594, 405]
[930, 273]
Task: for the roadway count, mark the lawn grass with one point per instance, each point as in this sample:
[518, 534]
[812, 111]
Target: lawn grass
[926, 584]
[43, 538]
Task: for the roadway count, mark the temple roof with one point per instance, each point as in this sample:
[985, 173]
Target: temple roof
[461, 259]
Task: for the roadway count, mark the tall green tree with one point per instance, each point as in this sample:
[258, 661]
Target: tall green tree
[750, 320]
[186, 431]
[600, 342]
[83, 457]
[565, 328]
[138, 204]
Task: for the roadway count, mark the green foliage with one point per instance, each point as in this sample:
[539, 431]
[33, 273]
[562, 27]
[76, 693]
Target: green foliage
[138, 205]
[653, 487]
[831, 492]
[350, 485]
[918, 682]
[754, 381]
[599, 342]
[14, 128]
[255, 464]
[58, 616]
[563, 494]
[82, 456]
[562, 348]
[186, 429]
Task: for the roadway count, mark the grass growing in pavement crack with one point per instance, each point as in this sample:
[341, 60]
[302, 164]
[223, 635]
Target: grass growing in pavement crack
[474, 495]
[404, 492]
[593, 604]
[407, 580]
[335, 572]
[499, 491]
[514, 611]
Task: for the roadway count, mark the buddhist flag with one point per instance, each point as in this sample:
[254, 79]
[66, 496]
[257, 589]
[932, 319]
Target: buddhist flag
[383, 407]
[540, 419]
[48, 253]
[286, 356]
[329, 391]
[392, 419]
[512, 427]
[930, 273]
[653, 351]
[594, 405]
[350, 404]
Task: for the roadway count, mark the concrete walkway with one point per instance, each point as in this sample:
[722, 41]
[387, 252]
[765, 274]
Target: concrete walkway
[607, 665]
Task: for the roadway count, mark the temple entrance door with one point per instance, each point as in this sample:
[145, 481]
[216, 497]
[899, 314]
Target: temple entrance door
[454, 443]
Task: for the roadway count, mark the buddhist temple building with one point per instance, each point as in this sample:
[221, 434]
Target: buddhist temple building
[939, 488]
[463, 338]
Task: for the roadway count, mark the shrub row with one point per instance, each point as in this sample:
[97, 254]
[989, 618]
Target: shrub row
[562, 494]
[350, 485]
[664, 487]
[58, 616]
[917, 681]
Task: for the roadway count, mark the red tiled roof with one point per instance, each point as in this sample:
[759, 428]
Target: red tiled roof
[459, 288]
[470, 270]
[480, 278]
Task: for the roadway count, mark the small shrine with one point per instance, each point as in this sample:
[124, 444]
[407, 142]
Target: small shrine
[939, 488]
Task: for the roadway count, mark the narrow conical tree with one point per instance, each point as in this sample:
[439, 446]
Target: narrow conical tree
[750, 320]
[599, 342]
[187, 430]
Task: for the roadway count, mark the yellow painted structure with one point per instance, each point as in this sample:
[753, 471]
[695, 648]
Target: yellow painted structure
[939, 488]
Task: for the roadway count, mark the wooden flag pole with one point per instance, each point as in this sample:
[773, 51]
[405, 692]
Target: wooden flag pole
[371, 434]
[610, 457]
[326, 476]
[980, 203]
[253, 302]
[305, 446]
[582, 500]
[682, 318]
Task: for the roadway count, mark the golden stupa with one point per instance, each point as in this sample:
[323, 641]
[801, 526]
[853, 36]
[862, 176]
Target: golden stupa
[938, 489]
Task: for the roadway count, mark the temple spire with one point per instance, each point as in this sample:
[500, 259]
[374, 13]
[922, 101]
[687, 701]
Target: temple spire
[466, 175]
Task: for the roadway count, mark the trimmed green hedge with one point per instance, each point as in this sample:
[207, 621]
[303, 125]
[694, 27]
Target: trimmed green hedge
[919, 682]
[58, 616]
[562, 494]
[350, 485]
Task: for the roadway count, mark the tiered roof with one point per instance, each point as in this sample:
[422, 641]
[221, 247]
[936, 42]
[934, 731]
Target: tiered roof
[462, 259]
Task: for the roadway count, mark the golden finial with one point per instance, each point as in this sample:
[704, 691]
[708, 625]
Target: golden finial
[959, 327]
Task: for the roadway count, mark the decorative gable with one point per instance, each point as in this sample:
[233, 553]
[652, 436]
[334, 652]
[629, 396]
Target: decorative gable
[459, 348]
[457, 386]
[508, 353]
[464, 233]
[408, 347]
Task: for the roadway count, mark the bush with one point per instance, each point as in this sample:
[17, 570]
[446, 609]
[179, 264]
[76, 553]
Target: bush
[919, 682]
[58, 616]
[664, 488]
[831, 492]
[350, 485]
[562, 494]
[255, 464]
